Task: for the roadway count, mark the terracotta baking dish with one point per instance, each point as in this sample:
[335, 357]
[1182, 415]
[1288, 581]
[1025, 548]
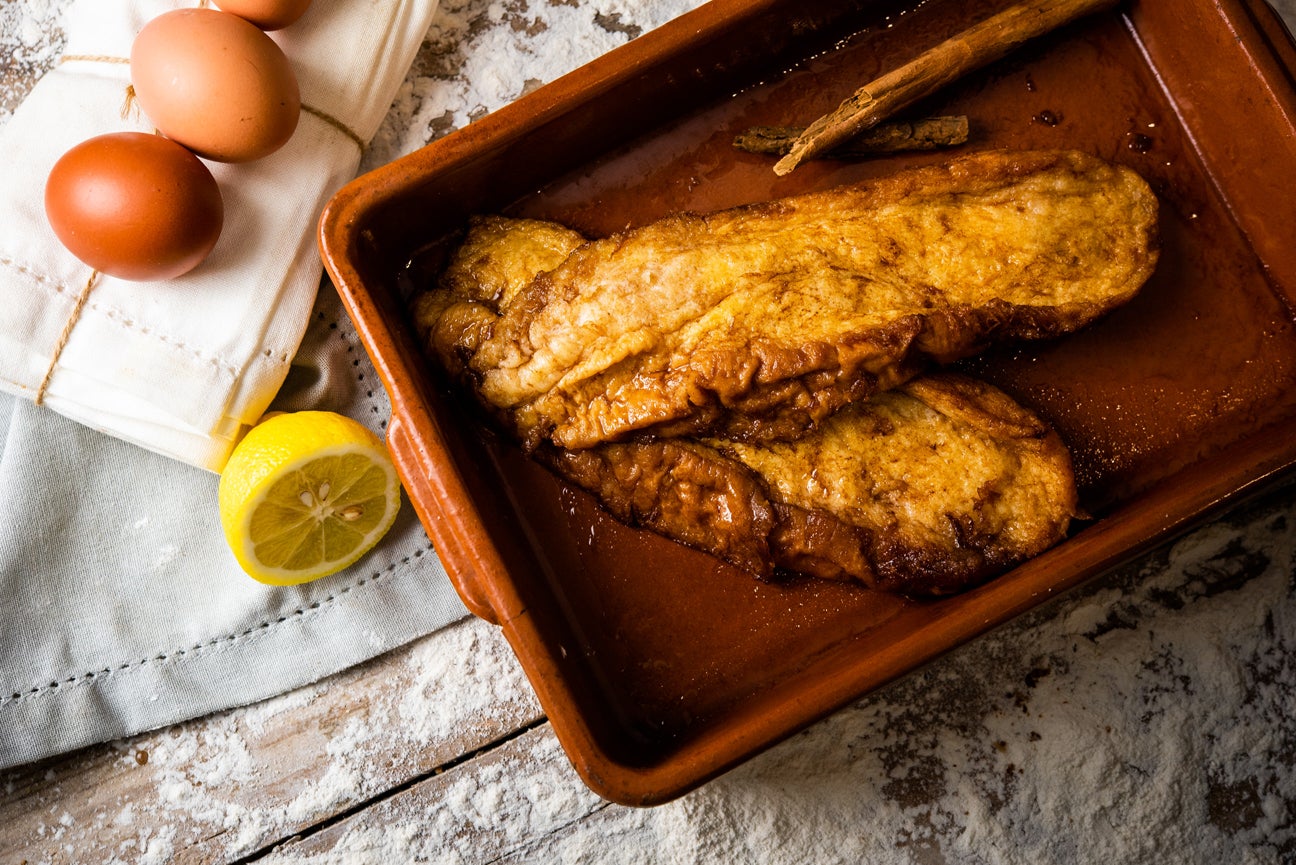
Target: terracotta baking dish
[658, 666]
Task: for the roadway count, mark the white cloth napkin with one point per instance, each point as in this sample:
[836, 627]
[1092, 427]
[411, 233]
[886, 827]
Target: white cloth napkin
[183, 367]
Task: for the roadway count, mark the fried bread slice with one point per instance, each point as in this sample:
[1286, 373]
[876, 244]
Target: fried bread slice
[758, 322]
[926, 489]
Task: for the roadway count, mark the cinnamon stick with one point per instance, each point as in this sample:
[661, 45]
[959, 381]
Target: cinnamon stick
[929, 133]
[978, 45]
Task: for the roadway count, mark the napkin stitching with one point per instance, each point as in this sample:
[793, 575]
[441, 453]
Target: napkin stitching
[216, 642]
[349, 338]
[339, 328]
[123, 319]
[37, 275]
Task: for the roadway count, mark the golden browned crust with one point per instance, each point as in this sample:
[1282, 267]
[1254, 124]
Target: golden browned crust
[927, 489]
[757, 323]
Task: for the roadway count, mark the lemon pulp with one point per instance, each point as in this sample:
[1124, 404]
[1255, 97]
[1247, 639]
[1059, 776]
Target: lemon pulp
[306, 494]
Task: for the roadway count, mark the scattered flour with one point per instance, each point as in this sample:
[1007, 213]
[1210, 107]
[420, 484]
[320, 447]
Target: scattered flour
[1163, 733]
[1148, 718]
[31, 39]
[521, 791]
[479, 57]
[166, 554]
[221, 783]
[487, 676]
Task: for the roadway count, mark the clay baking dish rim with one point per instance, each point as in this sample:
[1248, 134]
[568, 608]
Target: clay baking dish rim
[479, 574]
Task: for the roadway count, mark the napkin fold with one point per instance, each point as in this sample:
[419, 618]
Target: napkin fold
[183, 367]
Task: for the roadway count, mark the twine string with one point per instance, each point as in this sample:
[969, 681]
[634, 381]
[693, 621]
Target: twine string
[128, 103]
[128, 106]
[66, 335]
[335, 123]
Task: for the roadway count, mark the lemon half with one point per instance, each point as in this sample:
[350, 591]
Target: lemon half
[305, 494]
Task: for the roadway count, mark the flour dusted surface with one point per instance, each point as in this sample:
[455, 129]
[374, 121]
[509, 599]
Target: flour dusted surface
[479, 57]
[1060, 739]
[31, 40]
[1146, 718]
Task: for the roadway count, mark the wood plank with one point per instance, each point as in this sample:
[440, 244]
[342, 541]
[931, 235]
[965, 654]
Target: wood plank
[1146, 717]
[482, 811]
[223, 787]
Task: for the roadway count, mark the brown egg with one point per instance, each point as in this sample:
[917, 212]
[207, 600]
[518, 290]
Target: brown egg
[135, 206]
[266, 14]
[215, 83]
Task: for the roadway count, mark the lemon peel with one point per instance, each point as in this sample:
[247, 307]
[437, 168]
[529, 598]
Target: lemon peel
[305, 494]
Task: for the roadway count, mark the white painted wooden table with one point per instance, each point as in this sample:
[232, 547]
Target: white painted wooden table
[1149, 716]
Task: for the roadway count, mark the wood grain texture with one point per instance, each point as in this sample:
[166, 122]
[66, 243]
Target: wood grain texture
[1144, 717]
[1119, 682]
[224, 787]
